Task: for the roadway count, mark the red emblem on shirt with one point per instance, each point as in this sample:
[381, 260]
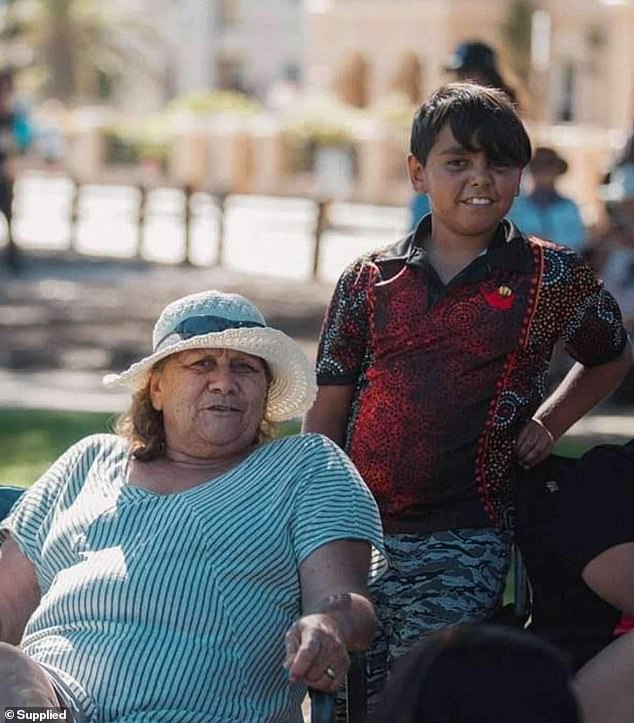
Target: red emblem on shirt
[501, 298]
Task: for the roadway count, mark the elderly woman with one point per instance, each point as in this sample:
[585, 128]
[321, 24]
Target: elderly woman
[191, 568]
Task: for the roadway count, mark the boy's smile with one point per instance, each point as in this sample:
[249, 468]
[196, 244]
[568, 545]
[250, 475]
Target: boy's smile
[469, 192]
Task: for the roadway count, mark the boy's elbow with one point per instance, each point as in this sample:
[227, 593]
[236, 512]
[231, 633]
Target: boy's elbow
[619, 367]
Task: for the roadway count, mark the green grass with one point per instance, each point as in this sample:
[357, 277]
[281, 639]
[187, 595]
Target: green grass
[31, 439]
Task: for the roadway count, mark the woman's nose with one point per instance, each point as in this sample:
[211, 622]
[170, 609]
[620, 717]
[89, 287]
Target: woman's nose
[222, 381]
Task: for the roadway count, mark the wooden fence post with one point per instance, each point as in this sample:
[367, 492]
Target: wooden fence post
[187, 220]
[221, 199]
[140, 219]
[320, 226]
[73, 220]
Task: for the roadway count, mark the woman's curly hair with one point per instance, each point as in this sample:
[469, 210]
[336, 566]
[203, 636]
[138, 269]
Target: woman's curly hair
[142, 425]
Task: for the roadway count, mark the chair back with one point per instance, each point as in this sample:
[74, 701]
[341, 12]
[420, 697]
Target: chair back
[8, 495]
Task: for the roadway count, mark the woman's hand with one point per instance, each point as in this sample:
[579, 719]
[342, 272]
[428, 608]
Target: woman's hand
[338, 616]
[316, 652]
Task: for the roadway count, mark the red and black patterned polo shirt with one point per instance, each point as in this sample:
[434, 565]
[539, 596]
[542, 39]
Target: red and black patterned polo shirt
[446, 375]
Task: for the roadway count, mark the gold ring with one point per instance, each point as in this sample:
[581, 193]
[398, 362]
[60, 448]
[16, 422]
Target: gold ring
[331, 673]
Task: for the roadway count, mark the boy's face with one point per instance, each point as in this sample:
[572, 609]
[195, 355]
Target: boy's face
[469, 194]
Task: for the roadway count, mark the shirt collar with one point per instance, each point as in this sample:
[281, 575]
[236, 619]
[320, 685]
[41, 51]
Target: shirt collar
[508, 249]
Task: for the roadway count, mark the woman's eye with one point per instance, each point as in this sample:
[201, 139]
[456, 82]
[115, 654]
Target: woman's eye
[244, 367]
[203, 364]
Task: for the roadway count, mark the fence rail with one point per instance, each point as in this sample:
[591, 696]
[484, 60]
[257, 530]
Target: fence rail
[143, 206]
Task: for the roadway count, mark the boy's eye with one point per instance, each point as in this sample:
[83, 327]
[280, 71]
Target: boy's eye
[501, 164]
[456, 162]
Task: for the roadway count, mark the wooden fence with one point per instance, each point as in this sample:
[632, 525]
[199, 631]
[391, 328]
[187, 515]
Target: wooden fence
[321, 220]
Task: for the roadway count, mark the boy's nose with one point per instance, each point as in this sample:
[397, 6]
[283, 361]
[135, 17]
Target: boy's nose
[481, 175]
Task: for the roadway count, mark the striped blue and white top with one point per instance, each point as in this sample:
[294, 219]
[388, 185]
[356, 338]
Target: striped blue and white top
[174, 607]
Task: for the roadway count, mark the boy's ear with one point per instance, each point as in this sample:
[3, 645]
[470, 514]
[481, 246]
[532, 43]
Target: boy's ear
[518, 188]
[416, 173]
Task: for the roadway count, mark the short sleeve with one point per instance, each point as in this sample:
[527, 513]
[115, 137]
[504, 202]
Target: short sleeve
[31, 518]
[333, 502]
[344, 335]
[594, 333]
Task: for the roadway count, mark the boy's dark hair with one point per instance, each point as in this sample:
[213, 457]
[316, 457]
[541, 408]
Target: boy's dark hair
[481, 674]
[479, 118]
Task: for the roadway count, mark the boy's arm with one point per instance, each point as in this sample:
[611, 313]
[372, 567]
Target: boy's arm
[329, 413]
[342, 350]
[581, 390]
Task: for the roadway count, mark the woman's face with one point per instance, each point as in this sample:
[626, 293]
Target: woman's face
[212, 401]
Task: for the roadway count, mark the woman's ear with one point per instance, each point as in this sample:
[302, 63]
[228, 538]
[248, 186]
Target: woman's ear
[155, 391]
[416, 173]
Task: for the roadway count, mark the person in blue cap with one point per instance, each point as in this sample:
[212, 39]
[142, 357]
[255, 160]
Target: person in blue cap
[477, 62]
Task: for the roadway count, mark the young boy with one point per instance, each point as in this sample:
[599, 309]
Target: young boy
[432, 363]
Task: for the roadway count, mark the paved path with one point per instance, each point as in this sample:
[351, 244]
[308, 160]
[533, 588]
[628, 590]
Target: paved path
[67, 320]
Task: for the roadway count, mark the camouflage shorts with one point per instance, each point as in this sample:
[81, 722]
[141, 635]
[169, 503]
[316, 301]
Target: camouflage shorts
[433, 581]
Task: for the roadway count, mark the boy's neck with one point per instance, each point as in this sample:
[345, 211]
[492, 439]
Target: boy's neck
[451, 244]
[449, 253]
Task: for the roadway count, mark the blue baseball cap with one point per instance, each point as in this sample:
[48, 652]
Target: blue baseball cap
[473, 55]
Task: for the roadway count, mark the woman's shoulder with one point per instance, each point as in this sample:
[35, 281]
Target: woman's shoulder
[102, 442]
[308, 443]
[101, 447]
[314, 457]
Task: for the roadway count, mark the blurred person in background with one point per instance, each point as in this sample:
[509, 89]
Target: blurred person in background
[480, 674]
[476, 62]
[616, 249]
[617, 269]
[15, 138]
[543, 211]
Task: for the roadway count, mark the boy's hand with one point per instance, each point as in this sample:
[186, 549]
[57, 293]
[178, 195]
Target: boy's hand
[534, 443]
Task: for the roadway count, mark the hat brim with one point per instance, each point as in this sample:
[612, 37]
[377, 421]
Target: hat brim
[293, 387]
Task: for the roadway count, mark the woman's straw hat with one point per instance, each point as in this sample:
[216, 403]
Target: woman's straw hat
[217, 320]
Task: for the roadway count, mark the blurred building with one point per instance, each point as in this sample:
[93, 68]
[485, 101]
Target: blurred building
[579, 55]
[241, 44]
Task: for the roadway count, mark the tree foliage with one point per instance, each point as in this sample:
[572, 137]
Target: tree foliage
[77, 49]
[516, 33]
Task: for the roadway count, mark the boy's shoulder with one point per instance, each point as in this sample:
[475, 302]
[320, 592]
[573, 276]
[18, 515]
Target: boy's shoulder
[552, 250]
[374, 259]
[395, 251]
